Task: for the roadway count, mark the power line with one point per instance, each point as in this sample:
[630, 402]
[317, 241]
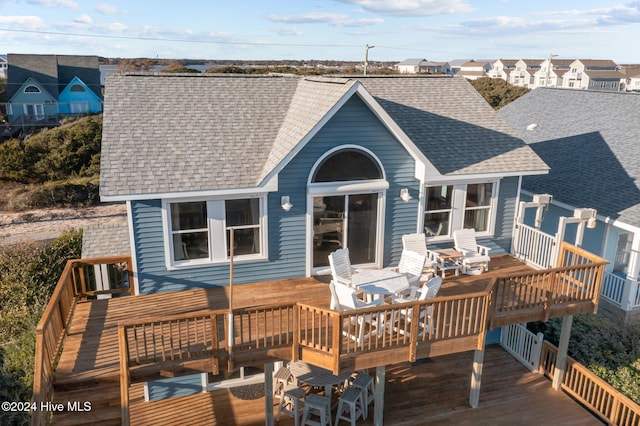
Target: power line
[178, 40]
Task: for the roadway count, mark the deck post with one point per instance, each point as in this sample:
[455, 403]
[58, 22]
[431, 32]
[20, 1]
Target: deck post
[563, 346]
[378, 401]
[268, 394]
[476, 378]
[476, 373]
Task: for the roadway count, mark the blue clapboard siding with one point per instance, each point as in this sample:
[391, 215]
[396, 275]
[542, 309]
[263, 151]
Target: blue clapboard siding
[354, 124]
[174, 387]
[594, 240]
[505, 214]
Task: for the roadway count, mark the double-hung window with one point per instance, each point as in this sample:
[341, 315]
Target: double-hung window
[199, 232]
[457, 206]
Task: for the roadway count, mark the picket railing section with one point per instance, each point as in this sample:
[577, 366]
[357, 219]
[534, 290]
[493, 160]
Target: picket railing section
[621, 291]
[50, 331]
[590, 390]
[522, 344]
[534, 247]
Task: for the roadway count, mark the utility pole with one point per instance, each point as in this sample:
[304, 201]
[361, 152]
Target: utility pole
[546, 80]
[366, 57]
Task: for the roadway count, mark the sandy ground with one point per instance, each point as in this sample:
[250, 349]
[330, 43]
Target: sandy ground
[47, 224]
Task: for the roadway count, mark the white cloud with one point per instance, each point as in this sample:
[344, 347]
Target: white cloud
[83, 19]
[308, 18]
[290, 31]
[29, 22]
[69, 4]
[107, 9]
[413, 7]
[361, 22]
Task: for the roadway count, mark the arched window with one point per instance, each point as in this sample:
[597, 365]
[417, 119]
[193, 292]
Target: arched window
[31, 89]
[345, 165]
[76, 88]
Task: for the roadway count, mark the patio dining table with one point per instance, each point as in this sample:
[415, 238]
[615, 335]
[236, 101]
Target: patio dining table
[377, 283]
[313, 375]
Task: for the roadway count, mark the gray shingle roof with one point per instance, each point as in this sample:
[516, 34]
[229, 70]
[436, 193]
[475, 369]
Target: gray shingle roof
[108, 239]
[177, 133]
[590, 140]
[452, 125]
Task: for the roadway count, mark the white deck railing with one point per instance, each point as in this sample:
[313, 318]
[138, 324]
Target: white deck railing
[534, 247]
[621, 291]
[522, 344]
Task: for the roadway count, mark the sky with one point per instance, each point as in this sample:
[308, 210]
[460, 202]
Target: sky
[394, 30]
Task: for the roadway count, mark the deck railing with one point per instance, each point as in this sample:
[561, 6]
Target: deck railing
[534, 247]
[74, 282]
[587, 388]
[621, 291]
[522, 344]
[539, 295]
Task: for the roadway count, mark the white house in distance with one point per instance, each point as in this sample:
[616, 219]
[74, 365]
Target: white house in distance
[474, 69]
[502, 68]
[421, 65]
[631, 78]
[523, 75]
[551, 72]
[3, 66]
[593, 74]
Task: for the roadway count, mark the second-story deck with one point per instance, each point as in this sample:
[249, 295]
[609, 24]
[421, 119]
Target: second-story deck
[117, 341]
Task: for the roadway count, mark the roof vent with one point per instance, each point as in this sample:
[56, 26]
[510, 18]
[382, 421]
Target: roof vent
[532, 126]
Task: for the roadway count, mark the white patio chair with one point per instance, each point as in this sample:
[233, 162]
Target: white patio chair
[345, 301]
[475, 257]
[340, 264]
[411, 266]
[429, 290]
[418, 243]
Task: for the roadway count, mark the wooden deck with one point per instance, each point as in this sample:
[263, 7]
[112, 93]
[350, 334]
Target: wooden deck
[89, 366]
[434, 392]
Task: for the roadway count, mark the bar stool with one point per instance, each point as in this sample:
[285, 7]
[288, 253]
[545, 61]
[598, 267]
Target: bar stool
[350, 403]
[292, 402]
[319, 406]
[365, 382]
[282, 378]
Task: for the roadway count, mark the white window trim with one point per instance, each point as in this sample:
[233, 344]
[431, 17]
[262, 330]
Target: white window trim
[458, 208]
[216, 223]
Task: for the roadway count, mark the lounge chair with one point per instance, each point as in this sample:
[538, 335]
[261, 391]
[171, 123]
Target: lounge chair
[475, 257]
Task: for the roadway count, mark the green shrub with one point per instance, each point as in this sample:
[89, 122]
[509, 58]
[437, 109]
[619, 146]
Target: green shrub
[72, 150]
[66, 193]
[28, 274]
[497, 92]
[611, 351]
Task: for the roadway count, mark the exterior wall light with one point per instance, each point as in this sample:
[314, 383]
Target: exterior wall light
[404, 194]
[285, 203]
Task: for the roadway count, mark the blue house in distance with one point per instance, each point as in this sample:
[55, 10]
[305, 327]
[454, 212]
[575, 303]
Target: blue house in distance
[297, 167]
[43, 88]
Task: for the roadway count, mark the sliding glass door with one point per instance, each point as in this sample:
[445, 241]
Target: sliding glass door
[346, 220]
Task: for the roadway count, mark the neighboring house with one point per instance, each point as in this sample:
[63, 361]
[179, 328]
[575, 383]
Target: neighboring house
[456, 64]
[631, 78]
[3, 66]
[594, 74]
[472, 70]
[42, 88]
[298, 167]
[590, 141]
[524, 72]
[414, 66]
[502, 68]
[551, 72]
